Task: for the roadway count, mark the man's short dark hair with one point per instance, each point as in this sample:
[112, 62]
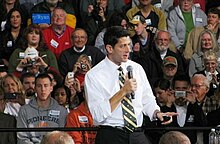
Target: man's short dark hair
[42, 76]
[26, 75]
[181, 77]
[113, 33]
[214, 10]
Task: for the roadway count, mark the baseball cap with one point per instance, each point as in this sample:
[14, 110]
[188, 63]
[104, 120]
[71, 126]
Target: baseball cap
[138, 19]
[169, 60]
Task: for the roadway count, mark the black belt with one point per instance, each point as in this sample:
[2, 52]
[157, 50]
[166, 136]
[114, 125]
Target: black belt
[138, 129]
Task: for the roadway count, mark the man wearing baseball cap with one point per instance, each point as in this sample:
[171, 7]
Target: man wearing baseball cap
[142, 40]
[169, 68]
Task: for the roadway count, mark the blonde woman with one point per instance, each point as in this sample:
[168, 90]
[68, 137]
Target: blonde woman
[206, 42]
[14, 94]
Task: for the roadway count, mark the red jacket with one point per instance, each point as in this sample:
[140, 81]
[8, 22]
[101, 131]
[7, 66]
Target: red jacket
[56, 43]
[81, 117]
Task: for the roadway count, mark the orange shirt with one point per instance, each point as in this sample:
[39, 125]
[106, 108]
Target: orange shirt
[81, 117]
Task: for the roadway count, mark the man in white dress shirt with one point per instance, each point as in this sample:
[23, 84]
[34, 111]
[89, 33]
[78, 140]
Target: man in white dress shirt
[104, 95]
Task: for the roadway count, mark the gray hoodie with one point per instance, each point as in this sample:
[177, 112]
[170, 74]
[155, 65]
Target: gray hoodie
[32, 116]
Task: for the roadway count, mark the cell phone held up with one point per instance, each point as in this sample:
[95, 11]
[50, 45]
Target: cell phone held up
[10, 95]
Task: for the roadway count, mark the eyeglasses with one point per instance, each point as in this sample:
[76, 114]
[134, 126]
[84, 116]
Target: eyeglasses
[197, 86]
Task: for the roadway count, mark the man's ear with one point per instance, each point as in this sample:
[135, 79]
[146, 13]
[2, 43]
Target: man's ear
[109, 48]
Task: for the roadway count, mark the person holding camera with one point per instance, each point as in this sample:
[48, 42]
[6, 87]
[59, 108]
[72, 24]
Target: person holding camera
[182, 101]
[14, 95]
[69, 57]
[32, 52]
[74, 80]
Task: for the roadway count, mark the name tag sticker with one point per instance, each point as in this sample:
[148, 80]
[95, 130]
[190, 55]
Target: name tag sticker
[148, 21]
[54, 113]
[83, 119]
[9, 44]
[21, 55]
[158, 5]
[54, 43]
[199, 19]
[197, 5]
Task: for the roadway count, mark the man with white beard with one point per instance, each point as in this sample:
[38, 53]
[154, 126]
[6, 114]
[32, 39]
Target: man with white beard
[153, 61]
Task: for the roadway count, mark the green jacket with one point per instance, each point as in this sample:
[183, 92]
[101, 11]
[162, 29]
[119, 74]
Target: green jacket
[14, 60]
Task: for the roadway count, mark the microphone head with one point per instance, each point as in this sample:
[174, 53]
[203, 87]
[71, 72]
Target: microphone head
[129, 68]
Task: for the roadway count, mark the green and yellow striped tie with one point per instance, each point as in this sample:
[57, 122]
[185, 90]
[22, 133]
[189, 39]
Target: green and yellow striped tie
[130, 121]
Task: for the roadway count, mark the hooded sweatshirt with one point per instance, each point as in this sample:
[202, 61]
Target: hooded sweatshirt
[33, 116]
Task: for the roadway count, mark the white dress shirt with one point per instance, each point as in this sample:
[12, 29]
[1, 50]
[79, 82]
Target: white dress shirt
[102, 82]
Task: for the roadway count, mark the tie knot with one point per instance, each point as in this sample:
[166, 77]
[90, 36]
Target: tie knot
[120, 69]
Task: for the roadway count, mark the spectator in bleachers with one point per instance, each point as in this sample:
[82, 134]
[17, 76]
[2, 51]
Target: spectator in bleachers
[42, 111]
[116, 19]
[62, 94]
[182, 19]
[29, 4]
[56, 77]
[81, 9]
[97, 19]
[200, 87]
[211, 70]
[69, 57]
[28, 82]
[142, 39]
[47, 6]
[206, 42]
[154, 17]
[212, 3]
[213, 25]
[6, 121]
[154, 59]
[32, 52]
[198, 3]
[12, 34]
[14, 94]
[164, 5]
[6, 6]
[57, 36]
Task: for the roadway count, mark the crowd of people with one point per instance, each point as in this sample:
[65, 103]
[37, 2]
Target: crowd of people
[119, 65]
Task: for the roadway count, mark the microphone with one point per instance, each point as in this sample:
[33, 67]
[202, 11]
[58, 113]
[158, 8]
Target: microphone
[130, 76]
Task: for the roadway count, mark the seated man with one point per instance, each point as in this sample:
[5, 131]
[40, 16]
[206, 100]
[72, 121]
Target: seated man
[42, 111]
[69, 56]
[57, 137]
[174, 137]
[57, 36]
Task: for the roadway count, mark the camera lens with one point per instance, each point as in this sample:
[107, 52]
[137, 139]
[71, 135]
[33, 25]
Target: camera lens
[83, 66]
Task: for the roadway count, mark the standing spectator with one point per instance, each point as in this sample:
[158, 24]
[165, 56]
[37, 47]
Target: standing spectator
[206, 42]
[57, 36]
[42, 111]
[47, 6]
[154, 17]
[182, 19]
[213, 25]
[32, 49]
[69, 57]
[12, 34]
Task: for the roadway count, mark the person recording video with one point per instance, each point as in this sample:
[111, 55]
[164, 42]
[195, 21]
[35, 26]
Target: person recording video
[118, 98]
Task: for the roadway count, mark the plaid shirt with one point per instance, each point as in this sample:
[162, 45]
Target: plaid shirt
[209, 104]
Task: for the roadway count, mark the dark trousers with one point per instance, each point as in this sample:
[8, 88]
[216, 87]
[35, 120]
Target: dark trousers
[111, 135]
